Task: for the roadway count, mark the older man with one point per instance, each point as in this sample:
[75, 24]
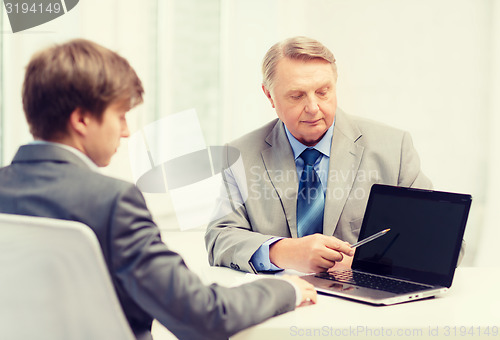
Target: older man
[296, 198]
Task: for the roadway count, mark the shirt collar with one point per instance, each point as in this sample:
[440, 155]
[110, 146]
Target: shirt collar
[77, 152]
[323, 146]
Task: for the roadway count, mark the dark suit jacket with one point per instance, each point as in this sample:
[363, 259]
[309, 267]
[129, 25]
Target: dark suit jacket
[151, 281]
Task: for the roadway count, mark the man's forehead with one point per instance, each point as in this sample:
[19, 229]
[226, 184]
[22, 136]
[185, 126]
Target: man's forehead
[297, 71]
[289, 84]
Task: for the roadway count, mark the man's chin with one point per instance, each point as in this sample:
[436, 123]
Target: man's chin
[102, 163]
[313, 139]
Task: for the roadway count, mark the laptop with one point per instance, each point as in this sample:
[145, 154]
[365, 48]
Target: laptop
[416, 259]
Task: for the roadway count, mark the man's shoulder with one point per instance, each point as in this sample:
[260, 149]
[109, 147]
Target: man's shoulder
[102, 190]
[64, 165]
[94, 179]
[367, 124]
[255, 139]
[367, 128]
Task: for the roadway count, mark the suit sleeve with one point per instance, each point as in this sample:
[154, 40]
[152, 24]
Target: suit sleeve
[410, 174]
[160, 283]
[230, 239]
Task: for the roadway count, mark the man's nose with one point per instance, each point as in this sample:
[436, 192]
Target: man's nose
[125, 131]
[312, 105]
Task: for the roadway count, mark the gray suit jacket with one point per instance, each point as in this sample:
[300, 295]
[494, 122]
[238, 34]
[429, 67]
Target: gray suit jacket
[151, 281]
[259, 199]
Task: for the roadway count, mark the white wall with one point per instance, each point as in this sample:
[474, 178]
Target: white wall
[428, 66]
[489, 231]
[117, 24]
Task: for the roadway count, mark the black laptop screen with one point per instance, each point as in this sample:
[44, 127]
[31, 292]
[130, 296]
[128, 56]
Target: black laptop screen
[425, 237]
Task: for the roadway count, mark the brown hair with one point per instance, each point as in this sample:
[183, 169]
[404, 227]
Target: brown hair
[77, 74]
[298, 48]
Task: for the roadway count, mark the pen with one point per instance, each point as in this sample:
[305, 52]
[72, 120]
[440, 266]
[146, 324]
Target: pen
[370, 238]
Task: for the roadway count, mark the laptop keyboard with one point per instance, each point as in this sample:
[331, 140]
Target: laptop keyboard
[372, 281]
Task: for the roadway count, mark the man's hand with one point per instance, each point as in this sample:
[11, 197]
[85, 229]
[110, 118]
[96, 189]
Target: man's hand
[346, 263]
[309, 295]
[309, 254]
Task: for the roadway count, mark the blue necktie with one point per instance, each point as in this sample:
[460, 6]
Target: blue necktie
[311, 198]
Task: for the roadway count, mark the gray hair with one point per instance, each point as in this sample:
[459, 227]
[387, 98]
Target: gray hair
[297, 48]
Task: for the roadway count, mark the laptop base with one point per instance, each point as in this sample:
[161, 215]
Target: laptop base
[368, 295]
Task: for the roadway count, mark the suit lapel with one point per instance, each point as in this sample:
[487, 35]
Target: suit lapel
[345, 158]
[280, 165]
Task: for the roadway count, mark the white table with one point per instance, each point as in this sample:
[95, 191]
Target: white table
[469, 310]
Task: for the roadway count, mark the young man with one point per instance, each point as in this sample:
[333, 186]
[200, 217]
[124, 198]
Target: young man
[75, 98]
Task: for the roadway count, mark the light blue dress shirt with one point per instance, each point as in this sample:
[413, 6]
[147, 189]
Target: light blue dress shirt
[260, 259]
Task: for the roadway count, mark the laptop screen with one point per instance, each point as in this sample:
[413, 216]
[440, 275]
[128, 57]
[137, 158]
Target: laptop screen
[426, 233]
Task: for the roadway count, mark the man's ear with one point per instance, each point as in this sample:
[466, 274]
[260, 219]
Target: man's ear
[268, 94]
[79, 121]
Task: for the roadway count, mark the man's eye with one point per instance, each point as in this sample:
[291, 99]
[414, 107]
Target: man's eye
[296, 97]
[322, 93]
